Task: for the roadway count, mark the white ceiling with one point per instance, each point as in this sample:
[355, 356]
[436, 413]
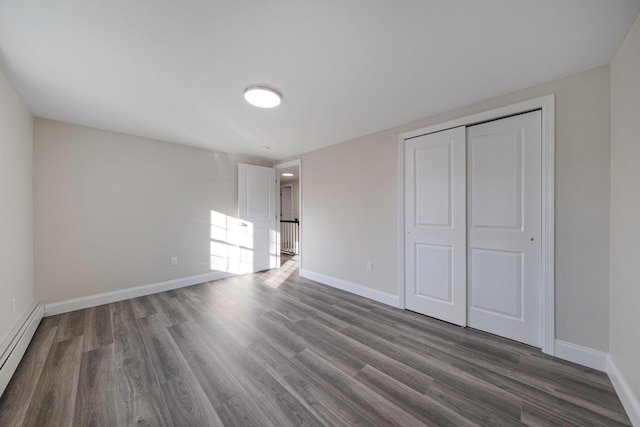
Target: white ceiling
[288, 179]
[175, 70]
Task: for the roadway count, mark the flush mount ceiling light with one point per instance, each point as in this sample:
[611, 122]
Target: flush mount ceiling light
[262, 96]
[287, 174]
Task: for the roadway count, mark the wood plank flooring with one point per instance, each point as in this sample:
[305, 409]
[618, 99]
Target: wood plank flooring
[270, 350]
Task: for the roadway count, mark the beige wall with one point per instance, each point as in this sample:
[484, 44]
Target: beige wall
[111, 209]
[16, 213]
[351, 193]
[625, 208]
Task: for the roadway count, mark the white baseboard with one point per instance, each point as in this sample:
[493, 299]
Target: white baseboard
[627, 396]
[584, 356]
[138, 291]
[13, 347]
[383, 297]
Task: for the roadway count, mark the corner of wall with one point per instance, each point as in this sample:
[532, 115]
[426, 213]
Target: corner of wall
[629, 400]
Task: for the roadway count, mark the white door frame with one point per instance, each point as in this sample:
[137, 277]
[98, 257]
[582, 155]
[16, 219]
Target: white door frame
[297, 162]
[547, 105]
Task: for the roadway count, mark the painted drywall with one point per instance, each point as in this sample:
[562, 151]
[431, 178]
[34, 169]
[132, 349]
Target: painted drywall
[16, 213]
[295, 196]
[351, 195]
[111, 210]
[625, 208]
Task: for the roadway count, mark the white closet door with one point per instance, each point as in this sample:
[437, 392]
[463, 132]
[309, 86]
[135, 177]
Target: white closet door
[504, 227]
[257, 214]
[435, 225]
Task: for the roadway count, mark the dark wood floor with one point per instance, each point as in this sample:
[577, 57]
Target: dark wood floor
[267, 350]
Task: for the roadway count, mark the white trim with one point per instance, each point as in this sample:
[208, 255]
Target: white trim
[51, 309]
[278, 218]
[383, 297]
[485, 116]
[548, 224]
[401, 266]
[547, 105]
[625, 393]
[584, 356]
[16, 343]
[14, 335]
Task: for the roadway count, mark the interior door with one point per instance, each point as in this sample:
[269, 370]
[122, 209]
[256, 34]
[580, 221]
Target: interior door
[286, 203]
[435, 225]
[257, 217]
[504, 227]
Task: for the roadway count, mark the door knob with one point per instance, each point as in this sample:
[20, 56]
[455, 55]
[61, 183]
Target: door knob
[532, 239]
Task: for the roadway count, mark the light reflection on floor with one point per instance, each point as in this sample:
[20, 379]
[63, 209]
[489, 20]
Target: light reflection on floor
[275, 277]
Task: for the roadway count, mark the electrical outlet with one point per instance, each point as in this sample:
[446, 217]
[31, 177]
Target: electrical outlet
[370, 266]
[174, 260]
[13, 306]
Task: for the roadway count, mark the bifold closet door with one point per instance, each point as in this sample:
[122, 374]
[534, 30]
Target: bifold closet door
[435, 225]
[504, 211]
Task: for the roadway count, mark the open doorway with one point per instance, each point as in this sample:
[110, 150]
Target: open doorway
[290, 210]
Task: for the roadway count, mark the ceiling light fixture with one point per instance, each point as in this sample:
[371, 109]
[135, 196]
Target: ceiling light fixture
[262, 96]
[287, 174]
